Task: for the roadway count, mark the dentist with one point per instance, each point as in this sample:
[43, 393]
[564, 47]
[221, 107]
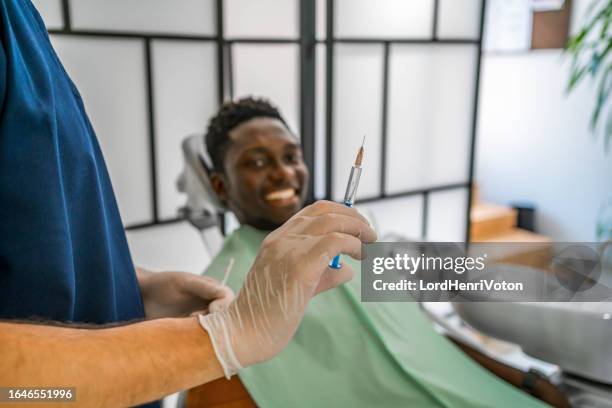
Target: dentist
[76, 312]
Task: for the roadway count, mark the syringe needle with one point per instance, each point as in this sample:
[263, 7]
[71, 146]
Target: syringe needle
[359, 157]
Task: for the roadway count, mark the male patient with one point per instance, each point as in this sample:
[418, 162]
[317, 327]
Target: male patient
[345, 353]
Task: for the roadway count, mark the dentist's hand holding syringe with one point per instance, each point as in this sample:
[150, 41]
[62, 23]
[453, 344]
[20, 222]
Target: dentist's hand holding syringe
[291, 267]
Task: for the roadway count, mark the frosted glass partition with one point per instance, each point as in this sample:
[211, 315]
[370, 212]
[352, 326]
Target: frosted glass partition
[321, 23]
[381, 49]
[51, 13]
[109, 74]
[261, 18]
[459, 19]
[446, 218]
[185, 84]
[357, 94]
[431, 102]
[270, 71]
[384, 18]
[320, 121]
[159, 16]
[395, 219]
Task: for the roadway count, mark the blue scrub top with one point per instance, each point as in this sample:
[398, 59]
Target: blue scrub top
[63, 250]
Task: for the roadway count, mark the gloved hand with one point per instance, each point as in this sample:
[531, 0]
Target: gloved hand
[176, 294]
[290, 268]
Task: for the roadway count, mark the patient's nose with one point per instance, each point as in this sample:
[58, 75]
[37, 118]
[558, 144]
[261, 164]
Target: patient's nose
[281, 172]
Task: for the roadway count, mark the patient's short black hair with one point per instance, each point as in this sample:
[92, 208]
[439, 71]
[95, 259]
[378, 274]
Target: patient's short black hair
[230, 116]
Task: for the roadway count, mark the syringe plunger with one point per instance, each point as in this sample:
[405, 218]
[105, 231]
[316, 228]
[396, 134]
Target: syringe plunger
[351, 187]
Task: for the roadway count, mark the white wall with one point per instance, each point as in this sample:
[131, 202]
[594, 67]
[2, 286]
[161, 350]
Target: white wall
[534, 142]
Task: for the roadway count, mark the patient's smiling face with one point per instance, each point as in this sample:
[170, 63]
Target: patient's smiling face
[265, 179]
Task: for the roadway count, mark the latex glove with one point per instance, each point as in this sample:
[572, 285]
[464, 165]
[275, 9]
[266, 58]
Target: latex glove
[177, 294]
[290, 268]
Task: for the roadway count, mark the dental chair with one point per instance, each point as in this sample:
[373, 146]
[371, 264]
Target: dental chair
[575, 336]
[202, 209]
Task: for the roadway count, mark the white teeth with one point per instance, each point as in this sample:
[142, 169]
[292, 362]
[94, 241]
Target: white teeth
[281, 194]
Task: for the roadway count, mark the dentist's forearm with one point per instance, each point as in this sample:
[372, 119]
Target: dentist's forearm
[119, 366]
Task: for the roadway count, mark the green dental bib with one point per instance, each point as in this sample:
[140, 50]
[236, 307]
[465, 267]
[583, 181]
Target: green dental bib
[351, 354]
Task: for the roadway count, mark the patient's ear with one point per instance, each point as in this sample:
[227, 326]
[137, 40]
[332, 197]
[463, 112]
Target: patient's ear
[217, 182]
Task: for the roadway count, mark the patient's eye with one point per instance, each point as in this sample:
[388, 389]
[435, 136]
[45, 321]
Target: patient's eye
[293, 157]
[256, 163]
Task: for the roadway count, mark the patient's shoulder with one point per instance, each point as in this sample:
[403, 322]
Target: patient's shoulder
[242, 245]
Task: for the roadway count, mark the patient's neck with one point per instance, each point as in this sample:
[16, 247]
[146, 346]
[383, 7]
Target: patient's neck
[262, 225]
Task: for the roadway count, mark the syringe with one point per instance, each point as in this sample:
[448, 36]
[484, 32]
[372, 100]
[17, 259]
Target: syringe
[351, 192]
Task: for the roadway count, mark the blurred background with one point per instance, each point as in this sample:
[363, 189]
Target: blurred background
[450, 93]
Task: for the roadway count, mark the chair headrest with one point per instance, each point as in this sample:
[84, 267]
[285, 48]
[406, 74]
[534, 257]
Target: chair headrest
[195, 179]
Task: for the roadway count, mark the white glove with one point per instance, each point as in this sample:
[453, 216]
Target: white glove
[290, 268]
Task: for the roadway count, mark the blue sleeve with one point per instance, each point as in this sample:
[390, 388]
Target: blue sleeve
[63, 251]
[2, 77]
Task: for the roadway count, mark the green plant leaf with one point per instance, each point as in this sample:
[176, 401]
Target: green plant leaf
[604, 27]
[590, 50]
[575, 77]
[591, 7]
[574, 42]
[597, 59]
[602, 97]
[608, 132]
